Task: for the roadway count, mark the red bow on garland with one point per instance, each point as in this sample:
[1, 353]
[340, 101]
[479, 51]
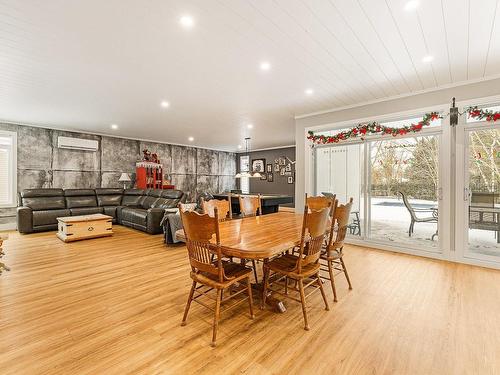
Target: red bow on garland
[483, 114]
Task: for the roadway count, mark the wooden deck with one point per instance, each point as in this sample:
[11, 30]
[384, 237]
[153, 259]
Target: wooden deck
[114, 306]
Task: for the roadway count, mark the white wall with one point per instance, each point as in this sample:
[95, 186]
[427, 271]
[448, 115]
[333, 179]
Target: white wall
[373, 112]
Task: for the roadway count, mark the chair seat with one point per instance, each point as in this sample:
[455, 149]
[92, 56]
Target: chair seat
[286, 263]
[233, 271]
[330, 255]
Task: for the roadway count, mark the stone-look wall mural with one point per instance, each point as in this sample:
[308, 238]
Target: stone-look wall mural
[41, 164]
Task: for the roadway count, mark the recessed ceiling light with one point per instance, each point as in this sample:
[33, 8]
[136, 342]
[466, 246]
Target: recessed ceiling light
[427, 59]
[265, 65]
[165, 104]
[309, 91]
[190, 139]
[411, 5]
[114, 126]
[250, 126]
[186, 21]
[240, 146]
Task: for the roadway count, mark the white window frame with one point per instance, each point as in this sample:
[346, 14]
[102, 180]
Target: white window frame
[245, 181]
[13, 169]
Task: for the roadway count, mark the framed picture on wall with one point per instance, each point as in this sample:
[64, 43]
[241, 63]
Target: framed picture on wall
[269, 177]
[263, 176]
[290, 179]
[258, 165]
[276, 168]
[269, 168]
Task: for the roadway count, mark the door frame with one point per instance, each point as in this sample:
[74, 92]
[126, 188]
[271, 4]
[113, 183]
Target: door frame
[462, 198]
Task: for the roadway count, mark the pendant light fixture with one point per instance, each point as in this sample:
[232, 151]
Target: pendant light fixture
[249, 174]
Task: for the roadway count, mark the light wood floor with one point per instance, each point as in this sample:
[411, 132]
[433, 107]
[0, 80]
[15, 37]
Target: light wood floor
[114, 306]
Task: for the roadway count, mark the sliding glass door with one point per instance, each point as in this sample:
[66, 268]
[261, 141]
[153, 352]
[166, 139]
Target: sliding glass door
[339, 170]
[478, 216]
[395, 183]
[403, 191]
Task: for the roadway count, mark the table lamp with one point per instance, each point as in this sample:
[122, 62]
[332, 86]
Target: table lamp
[124, 178]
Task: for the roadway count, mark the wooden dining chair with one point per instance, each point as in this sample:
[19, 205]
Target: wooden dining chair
[250, 205]
[200, 231]
[331, 259]
[319, 202]
[223, 209]
[303, 266]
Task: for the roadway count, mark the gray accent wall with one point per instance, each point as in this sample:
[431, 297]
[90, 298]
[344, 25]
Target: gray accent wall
[280, 184]
[40, 164]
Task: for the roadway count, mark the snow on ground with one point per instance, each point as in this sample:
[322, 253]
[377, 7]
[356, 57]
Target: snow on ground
[391, 220]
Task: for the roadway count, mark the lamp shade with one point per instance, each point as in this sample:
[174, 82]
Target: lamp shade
[124, 177]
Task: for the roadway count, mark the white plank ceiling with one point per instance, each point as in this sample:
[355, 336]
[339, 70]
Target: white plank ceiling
[84, 65]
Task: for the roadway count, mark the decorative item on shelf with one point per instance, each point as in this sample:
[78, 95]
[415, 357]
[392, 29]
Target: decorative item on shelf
[282, 171]
[269, 177]
[288, 168]
[277, 167]
[361, 130]
[125, 178]
[290, 179]
[282, 161]
[149, 175]
[150, 157]
[247, 173]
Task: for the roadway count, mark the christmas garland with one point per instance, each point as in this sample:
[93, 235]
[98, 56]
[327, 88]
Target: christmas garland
[373, 128]
[483, 114]
[376, 128]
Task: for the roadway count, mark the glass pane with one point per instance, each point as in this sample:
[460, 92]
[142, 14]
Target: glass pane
[404, 181]
[484, 200]
[339, 171]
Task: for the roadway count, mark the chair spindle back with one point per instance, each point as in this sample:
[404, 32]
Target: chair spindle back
[223, 209]
[314, 229]
[199, 231]
[250, 205]
[339, 224]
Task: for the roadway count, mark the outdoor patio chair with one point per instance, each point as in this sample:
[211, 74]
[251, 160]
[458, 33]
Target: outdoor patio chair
[413, 215]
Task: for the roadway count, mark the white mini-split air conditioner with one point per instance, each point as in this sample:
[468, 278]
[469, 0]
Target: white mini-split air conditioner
[77, 144]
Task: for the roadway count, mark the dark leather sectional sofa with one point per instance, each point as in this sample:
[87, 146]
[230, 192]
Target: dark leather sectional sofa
[135, 208]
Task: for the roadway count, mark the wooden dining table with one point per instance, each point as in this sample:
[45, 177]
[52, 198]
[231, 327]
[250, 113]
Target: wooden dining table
[261, 238]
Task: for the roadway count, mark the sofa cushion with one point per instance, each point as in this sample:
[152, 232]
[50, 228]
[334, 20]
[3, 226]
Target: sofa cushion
[148, 201]
[155, 193]
[109, 191]
[109, 200]
[110, 211]
[46, 217]
[172, 194]
[78, 192]
[85, 211]
[29, 193]
[132, 197]
[44, 203]
[81, 201]
[134, 215]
